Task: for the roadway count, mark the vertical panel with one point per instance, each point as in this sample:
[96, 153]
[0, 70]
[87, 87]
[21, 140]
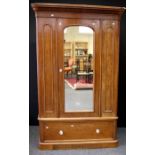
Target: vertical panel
[109, 71]
[47, 67]
[109, 51]
[47, 39]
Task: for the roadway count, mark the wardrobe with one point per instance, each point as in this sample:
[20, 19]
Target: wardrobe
[77, 112]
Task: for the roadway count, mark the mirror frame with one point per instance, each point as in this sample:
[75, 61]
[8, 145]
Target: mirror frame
[95, 26]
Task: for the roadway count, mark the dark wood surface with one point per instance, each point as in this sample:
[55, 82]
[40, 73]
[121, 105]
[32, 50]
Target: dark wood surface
[109, 67]
[75, 130]
[47, 67]
[77, 8]
[105, 21]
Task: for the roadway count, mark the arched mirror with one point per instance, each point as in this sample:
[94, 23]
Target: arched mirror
[78, 69]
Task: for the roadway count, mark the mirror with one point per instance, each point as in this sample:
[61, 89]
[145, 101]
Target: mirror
[78, 69]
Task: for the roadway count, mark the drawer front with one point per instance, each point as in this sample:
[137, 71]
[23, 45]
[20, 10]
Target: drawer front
[77, 130]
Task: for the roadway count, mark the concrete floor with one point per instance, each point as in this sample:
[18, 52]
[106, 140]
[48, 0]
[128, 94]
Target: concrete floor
[120, 150]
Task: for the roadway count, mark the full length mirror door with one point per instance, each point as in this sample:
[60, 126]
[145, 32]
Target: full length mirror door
[78, 69]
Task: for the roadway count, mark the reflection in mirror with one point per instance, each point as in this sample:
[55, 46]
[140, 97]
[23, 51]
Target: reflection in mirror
[78, 69]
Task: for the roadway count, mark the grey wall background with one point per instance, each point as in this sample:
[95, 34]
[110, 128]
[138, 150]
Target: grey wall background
[33, 98]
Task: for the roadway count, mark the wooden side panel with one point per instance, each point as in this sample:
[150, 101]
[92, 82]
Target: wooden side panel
[109, 71]
[47, 67]
[48, 64]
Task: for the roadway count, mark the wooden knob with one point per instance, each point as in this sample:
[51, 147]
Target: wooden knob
[97, 131]
[60, 70]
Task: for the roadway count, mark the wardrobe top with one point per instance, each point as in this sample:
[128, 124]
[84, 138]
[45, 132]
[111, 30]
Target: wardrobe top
[82, 8]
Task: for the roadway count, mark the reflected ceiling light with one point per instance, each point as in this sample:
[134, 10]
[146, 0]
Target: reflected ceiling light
[65, 30]
[83, 29]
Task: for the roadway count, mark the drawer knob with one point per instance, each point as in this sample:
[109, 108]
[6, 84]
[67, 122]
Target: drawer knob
[61, 132]
[97, 131]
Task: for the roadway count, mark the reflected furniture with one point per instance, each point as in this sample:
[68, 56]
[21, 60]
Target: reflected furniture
[60, 129]
[69, 66]
[88, 76]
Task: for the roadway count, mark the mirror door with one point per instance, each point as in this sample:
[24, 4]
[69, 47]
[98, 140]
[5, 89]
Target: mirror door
[77, 68]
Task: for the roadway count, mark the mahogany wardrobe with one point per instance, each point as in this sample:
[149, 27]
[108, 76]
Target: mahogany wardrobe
[77, 69]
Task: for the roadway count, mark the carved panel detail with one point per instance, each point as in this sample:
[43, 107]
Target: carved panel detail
[48, 77]
[108, 66]
[47, 68]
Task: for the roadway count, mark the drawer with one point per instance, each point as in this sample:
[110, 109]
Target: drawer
[77, 130]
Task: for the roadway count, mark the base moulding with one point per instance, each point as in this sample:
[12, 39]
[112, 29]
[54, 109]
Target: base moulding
[78, 144]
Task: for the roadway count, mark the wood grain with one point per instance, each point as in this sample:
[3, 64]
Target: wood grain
[46, 70]
[109, 71]
[77, 8]
[78, 144]
[79, 129]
